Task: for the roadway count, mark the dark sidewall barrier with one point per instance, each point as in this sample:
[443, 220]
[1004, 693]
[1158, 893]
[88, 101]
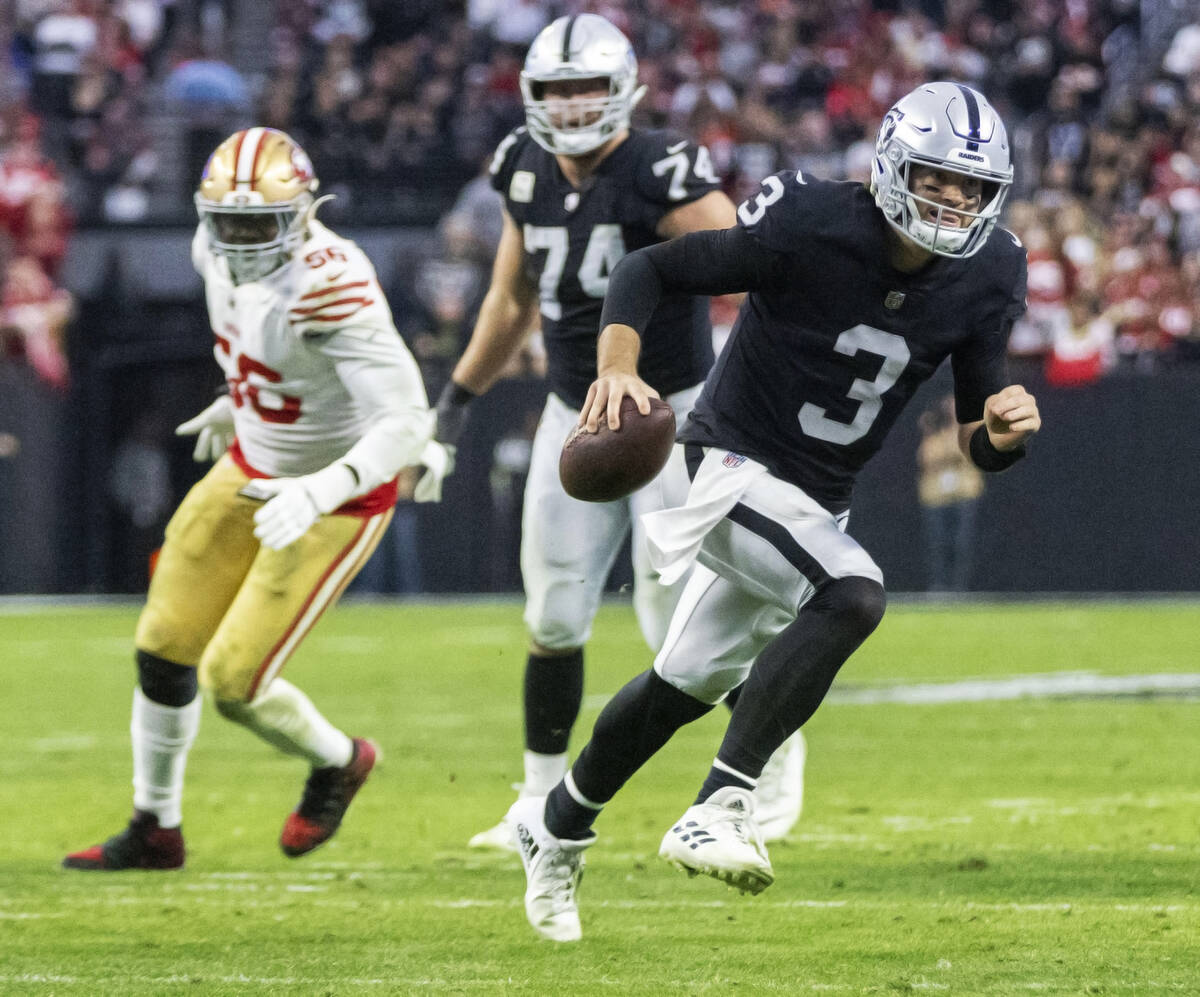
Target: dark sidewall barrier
[1108, 499]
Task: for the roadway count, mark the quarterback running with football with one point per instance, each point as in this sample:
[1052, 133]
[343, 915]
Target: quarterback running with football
[856, 296]
[325, 405]
[580, 189]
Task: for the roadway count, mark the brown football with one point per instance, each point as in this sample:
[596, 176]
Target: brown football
[607, 465]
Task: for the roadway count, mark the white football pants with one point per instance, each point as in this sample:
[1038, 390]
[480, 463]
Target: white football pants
[568, 547]
[756, 568]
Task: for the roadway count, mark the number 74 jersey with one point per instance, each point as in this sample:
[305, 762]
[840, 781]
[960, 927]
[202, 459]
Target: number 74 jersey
[574, 238]
[301, 349]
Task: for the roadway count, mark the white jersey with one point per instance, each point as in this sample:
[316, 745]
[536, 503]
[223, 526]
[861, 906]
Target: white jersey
[312, 358]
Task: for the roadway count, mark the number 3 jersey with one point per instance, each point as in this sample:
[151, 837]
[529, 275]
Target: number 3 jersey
[312, 359]
[831, 342]
[573, 238]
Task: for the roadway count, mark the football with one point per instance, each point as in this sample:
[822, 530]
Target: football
[607, 465]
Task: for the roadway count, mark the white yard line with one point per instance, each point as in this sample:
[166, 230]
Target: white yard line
[1050, 685]
[443, 983]
[26, 915]
[204, 898]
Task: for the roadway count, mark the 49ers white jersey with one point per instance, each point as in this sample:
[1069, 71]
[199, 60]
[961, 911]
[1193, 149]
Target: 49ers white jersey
[290, 345]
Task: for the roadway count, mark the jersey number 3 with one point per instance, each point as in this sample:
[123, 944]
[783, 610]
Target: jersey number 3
[869, 394]
[604, 250]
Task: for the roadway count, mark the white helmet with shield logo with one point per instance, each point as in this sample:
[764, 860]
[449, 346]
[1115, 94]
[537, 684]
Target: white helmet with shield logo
[946, 126]
[580, 47]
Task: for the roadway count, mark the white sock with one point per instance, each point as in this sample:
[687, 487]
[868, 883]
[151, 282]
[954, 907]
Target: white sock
[283, 716]
[161, 738]
[542, 772]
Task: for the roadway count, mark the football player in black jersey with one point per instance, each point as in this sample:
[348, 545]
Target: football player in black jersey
[580, 189]
[856, 296]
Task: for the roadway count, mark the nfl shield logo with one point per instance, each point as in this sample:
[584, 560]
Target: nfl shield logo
[520, 189]
[893, 300]
[733, 459]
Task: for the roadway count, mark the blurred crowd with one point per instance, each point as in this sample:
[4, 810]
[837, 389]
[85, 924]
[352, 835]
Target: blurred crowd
[108, 108]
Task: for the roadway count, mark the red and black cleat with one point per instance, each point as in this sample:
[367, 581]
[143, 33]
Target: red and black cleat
[142, 845]
[327, 795]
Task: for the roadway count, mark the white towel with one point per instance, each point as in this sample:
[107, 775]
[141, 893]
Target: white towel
[674, 536]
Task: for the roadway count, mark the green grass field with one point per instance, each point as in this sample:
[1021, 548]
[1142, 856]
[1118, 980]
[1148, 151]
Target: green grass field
[1019, 846]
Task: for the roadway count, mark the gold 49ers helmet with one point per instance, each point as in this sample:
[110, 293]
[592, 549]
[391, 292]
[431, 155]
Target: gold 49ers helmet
[255, 198]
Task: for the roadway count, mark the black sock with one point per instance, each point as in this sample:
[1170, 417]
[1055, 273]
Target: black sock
[718, 778]
[566, 817]
[792, 675]
[553, 695]
[637, 721]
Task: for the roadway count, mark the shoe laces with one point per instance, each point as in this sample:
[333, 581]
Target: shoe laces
[740, 821]
[127, 846]
[325, 797]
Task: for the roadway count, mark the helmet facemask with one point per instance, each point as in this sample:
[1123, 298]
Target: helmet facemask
[255, 240]
[928, 222]
[575, 126]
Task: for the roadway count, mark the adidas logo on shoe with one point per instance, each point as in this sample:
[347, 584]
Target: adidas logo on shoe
[693, 838]
[528, 846]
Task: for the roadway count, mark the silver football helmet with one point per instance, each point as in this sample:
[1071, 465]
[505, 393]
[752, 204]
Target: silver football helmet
[950, 127]
[580, 47]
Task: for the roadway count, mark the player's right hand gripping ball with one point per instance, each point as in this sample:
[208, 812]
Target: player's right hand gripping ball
[607, 465]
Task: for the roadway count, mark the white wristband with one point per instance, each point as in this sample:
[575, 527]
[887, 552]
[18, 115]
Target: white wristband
[331, 486]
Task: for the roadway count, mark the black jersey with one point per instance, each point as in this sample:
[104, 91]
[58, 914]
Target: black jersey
[832, 342]
[574, 238]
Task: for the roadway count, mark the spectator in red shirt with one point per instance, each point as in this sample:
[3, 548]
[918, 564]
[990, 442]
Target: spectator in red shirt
[33, 316]
[32, 211]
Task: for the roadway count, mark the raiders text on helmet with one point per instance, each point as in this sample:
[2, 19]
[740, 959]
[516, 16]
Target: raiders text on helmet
[946, 126]
[584, 46]
[255, 198]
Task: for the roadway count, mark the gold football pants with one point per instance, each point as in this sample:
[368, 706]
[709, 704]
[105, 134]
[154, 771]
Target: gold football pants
[220, 601]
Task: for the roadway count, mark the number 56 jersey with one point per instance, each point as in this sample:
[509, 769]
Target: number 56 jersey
[304, 351]
[573, 239]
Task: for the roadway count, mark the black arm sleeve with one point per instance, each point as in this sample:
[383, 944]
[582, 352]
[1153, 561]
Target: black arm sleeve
[719, 261]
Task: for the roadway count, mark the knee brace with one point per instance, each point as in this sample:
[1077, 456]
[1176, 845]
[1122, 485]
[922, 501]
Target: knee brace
[165, 682]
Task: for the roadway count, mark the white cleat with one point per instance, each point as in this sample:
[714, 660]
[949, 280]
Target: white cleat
[553, 869]
[499, 838]
[779, 799]
[720, 838]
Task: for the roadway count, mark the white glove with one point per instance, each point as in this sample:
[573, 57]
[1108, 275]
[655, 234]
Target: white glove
[213, 429]
[438, 461]
[294, 504]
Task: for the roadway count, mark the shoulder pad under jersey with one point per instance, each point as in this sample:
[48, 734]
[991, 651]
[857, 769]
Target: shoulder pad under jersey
[671, 169]
[790, 207]
[336, 287]
[504, 159]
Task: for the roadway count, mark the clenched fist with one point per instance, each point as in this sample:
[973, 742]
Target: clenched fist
[1011, 417]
